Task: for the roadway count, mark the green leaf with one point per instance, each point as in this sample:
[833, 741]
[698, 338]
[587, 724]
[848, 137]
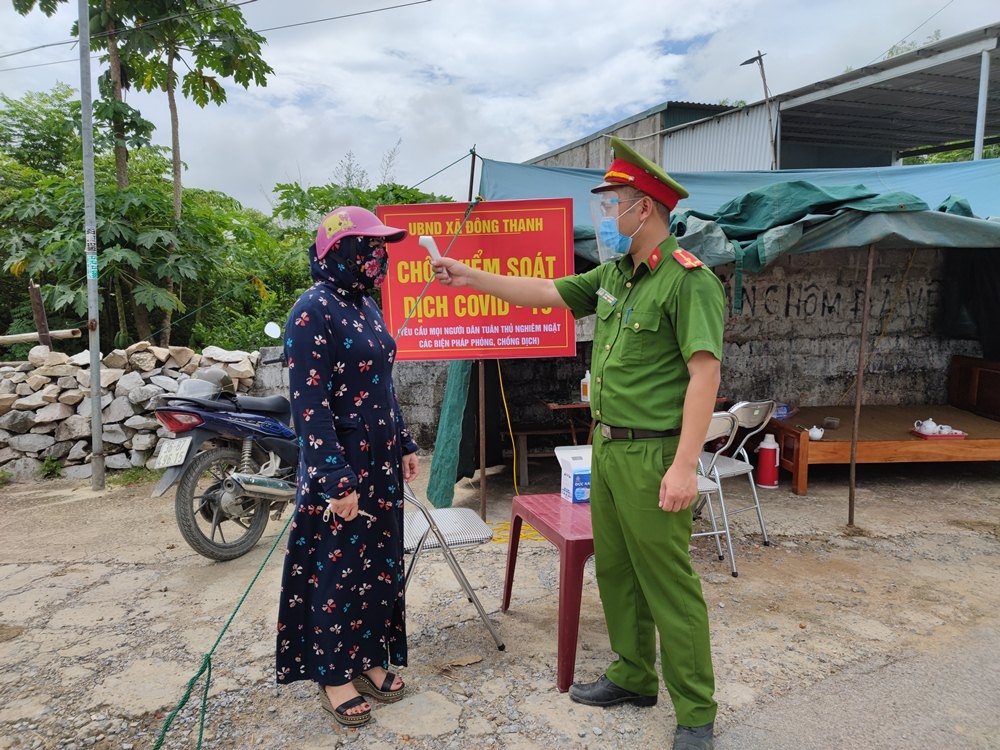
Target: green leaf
[109, 256]
[154, 298]
[156, 238]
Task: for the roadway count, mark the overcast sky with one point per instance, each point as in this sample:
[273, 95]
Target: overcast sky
[514, 78]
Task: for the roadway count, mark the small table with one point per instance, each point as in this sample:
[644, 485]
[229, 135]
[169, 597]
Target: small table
[567, 525]
[570, 409]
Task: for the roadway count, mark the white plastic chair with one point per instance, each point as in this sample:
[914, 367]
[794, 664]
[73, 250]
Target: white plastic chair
[722, 428]
[753, 417]
[445, 529]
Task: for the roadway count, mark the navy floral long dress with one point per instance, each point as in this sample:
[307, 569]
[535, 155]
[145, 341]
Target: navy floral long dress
[341, 609]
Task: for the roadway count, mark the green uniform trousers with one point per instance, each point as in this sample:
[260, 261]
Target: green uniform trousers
[647, 584]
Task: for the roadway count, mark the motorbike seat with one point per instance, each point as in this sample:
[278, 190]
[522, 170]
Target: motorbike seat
[263, 404]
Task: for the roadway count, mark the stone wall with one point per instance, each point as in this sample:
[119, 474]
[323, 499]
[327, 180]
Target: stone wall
[798, 337]
[45, 405]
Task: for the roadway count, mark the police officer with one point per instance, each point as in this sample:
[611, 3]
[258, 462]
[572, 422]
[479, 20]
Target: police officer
[655, 374]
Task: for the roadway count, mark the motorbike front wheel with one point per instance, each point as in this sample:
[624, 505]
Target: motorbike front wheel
[217, 524]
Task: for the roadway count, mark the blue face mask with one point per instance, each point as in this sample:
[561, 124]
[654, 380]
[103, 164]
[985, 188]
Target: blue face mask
[611, 243]
[609, 236]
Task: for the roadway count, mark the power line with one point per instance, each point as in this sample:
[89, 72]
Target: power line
[43, 65]
[924, 23]
[127, 31]
[124, 31]
[346, 15]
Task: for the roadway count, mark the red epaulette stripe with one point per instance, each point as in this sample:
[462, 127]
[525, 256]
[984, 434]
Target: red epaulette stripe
[686, 259]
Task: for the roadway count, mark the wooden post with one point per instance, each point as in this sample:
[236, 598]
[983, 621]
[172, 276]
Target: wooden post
[25, 338]
[38, 313]
[482, 439]
[860, 386]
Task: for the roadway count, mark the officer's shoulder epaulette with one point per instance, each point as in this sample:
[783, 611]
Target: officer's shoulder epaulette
[686, 259]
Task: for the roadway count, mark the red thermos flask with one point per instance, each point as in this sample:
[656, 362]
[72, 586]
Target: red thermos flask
[767, 463]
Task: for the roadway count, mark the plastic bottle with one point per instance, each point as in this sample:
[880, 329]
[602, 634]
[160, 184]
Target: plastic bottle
[585, 387]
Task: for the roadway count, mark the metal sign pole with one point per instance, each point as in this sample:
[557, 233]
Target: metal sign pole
[90, 232]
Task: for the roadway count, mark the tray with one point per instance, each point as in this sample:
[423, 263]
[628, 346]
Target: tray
[957, 435]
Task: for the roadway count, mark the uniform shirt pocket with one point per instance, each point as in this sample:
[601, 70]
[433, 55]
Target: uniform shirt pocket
[640, 330]
[604, 309]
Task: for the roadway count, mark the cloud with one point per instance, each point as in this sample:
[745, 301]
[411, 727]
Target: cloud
[512, 79]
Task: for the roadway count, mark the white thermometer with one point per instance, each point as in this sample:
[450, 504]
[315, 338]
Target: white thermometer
[428, 244]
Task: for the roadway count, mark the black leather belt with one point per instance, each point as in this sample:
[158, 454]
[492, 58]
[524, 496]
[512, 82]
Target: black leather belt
[628, 433]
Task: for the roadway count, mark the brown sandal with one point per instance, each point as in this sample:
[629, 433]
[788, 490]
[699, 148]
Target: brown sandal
[340, 712]
[364, 685]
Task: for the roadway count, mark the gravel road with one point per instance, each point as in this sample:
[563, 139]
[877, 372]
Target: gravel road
[106, 614]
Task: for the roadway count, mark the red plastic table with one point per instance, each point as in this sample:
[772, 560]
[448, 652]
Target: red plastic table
[567, 525]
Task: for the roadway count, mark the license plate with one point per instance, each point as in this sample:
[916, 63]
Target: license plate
[172, 452]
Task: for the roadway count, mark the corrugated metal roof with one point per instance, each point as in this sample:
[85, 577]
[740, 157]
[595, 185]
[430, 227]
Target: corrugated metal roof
[926, 97]
[919, 100]
[661, 116]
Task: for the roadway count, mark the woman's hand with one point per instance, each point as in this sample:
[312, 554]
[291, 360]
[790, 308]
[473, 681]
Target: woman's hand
[346, 507]
[411, 466]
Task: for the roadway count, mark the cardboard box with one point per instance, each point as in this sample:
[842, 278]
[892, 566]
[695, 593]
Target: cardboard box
[575, 463]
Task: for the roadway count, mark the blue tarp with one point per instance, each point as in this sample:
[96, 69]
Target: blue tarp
[755, 217]
[977, 181]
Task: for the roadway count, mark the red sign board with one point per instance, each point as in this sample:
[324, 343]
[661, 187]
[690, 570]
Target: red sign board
[516, 238]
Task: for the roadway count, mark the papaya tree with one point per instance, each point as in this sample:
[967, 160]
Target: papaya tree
[209, 41]
[141, 244]
[166, 45]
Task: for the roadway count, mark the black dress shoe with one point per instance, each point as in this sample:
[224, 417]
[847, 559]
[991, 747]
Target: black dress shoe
[694, 738]
[603, 692]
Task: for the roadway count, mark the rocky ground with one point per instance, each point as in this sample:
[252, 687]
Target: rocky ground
[106, 615]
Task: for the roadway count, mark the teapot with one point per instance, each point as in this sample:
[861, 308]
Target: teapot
[815, 433]
[926, 426]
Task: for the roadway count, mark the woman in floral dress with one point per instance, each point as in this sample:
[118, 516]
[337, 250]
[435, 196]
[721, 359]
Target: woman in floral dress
[341, 616]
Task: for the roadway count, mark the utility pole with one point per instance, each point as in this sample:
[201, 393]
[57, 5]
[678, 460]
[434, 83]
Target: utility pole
[90, 232]
[772, 136]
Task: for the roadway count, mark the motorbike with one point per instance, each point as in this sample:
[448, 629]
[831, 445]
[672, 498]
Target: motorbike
[234, 460]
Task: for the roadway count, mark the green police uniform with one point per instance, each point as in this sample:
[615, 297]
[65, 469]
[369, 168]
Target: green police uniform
[649, 323]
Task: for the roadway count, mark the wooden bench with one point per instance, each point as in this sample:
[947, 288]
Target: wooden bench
[884, 434]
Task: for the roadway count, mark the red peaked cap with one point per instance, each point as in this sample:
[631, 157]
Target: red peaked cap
[628, 168]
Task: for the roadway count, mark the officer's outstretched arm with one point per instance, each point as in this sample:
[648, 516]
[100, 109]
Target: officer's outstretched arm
[526, 291]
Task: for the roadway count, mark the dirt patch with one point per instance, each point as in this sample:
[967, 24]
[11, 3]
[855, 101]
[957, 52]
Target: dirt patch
[986, 526]
[9, 632]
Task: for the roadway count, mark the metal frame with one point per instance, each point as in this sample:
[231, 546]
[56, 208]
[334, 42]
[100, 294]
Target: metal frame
[723, 425]
[468, 521]
[752, 416]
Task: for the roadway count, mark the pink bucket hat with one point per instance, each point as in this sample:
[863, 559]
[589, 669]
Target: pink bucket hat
[349, 221]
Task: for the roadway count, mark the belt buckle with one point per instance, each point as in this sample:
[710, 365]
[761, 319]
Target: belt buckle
[605, 431]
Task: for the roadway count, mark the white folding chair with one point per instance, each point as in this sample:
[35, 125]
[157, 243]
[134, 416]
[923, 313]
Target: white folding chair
[445, 529]
[753, 417]
[721, 433]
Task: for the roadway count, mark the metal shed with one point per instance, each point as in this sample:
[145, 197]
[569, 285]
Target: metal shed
[914, 103]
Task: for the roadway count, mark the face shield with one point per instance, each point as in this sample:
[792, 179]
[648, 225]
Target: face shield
[605, 208]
